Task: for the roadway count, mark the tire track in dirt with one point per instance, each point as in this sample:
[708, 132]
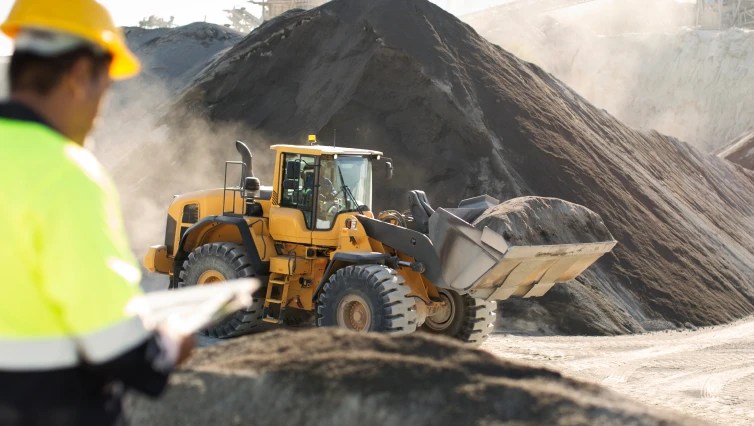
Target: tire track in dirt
[708, 373]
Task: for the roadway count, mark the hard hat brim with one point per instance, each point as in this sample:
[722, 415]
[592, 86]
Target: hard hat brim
[124, 63]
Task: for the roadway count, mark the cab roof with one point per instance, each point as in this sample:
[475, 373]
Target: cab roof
[324, 150]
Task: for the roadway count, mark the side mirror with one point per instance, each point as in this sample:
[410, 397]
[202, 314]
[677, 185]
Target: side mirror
[251, 183]
[388, 170]
[293, 170]
[290, 184]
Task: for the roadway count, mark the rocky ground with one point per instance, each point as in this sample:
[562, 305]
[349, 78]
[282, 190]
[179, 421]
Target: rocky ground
[328, 377]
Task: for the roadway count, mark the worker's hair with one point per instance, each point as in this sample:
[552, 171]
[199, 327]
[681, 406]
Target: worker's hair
[41, 74]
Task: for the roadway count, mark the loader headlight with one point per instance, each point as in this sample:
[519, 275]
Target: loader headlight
[351, 223]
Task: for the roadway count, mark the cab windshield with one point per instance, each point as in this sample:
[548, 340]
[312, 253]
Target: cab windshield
[345, 185]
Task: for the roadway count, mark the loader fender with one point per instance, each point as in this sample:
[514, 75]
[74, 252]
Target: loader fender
[260, 267]
[342, 259]
[408, 242]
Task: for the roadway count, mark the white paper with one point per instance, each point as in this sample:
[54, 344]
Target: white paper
[188, 310]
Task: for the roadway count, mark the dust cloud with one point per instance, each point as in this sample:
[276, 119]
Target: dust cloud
[642, 61]
[152, 158]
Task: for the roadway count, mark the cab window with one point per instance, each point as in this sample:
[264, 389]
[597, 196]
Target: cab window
[345, 185]
[298, 191]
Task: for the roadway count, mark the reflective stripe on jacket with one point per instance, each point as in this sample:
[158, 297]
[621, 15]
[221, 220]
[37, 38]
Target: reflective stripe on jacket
[67, 275]
[68, 271]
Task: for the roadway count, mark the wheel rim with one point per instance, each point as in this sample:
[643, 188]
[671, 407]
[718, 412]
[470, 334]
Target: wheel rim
[443, 317]
[354, 313]
[210, 277]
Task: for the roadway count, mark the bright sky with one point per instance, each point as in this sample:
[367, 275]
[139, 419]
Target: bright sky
[130, 12]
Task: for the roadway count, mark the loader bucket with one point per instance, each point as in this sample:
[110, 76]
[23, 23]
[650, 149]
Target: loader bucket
[481, 263]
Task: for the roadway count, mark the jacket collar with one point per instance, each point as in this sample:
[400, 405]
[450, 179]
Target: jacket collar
[14, 110]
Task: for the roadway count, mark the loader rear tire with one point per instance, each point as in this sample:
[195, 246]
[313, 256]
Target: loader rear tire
[367, 298]
[217, 262]
[467, 319]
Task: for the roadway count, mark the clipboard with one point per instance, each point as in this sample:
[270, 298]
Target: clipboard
[188, 310]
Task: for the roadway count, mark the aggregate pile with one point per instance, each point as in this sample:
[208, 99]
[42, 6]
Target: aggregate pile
[461, 117]
[641, 60]
[335, 377]
[741, 151]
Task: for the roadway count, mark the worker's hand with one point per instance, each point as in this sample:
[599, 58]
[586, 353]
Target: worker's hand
[186, 347]
[177, 345]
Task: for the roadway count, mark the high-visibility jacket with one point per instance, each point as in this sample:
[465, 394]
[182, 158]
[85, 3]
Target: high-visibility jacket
[66, 274]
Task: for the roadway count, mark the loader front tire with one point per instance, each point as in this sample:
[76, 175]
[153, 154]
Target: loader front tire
[218, 262]
[465, 318]
[367, 298]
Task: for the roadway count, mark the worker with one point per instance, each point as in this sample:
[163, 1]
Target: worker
[68, 350]
[328, 204]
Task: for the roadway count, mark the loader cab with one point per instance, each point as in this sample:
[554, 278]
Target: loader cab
[316, 186]
[324, 186]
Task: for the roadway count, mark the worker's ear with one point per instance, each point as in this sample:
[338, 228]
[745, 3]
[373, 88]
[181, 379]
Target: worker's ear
[85, 80]
[77, 79]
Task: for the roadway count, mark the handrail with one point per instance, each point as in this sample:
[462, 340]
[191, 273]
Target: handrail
[235, 190]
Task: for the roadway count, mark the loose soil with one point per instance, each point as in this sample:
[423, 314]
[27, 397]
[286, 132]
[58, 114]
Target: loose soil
[335, 377]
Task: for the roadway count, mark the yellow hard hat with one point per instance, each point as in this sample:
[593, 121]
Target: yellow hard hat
[83, 18]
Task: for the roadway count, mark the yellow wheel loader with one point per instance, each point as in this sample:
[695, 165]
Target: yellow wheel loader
[324, 256]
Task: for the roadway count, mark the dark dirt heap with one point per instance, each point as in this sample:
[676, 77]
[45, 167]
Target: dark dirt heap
[461, 117]
[335, 377]
[741, 151]
[175, 56]
[529, 221]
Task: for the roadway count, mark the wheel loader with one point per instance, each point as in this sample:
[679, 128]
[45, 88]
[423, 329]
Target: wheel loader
[324, 257]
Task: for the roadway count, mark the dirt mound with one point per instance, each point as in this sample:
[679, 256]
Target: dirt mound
[461, 117]
[334, 377]
[528, 221]
[741, 151]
